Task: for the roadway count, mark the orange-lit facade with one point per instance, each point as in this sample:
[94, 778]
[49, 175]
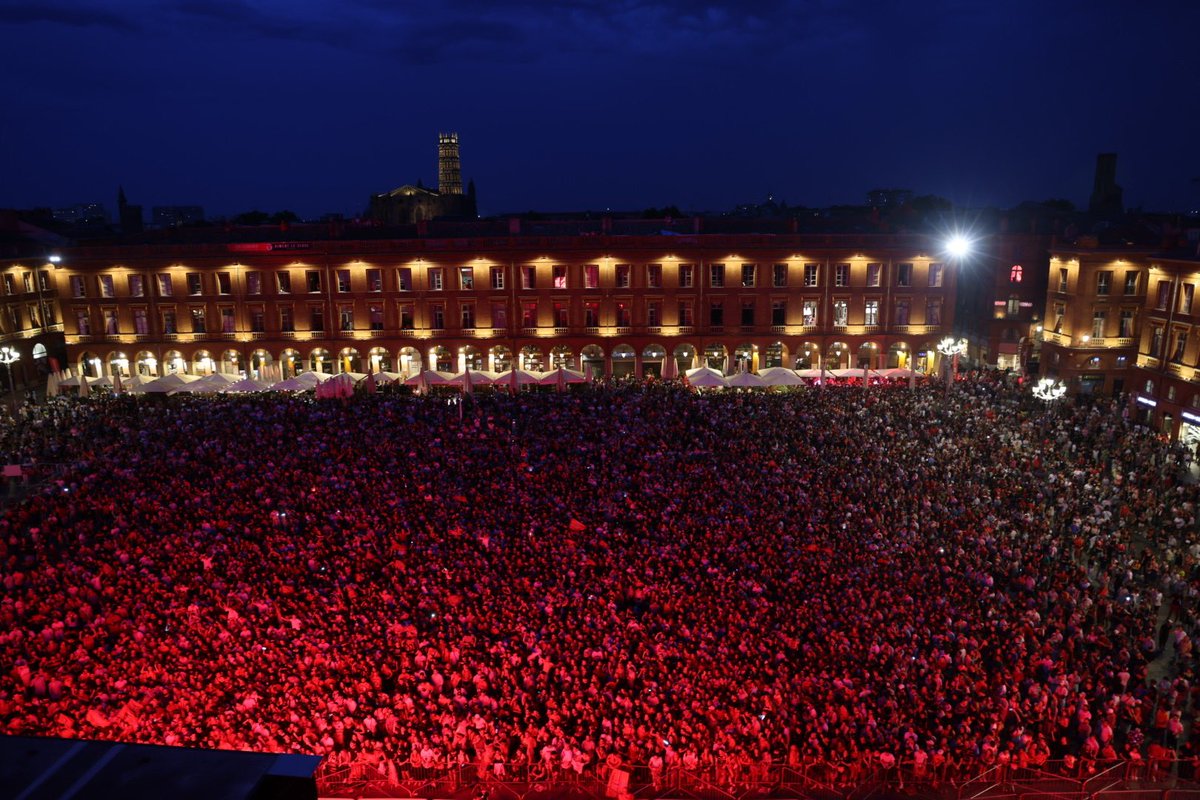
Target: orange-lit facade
[30, 319]
[610, 305]
[1126, 321]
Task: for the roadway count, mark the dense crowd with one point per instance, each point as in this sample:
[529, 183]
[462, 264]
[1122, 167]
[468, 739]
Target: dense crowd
[565, 582]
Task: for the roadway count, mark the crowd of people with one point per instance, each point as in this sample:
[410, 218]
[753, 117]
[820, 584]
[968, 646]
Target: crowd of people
[827, 579]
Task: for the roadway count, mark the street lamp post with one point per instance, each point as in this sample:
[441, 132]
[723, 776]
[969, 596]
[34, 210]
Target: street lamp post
[9, 355]
[952, 348]
[1049, 390]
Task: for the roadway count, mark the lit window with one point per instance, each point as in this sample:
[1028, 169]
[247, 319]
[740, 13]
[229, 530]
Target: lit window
[936, 271]
[1016, 274]
[623, 276]
[716, 275]
[841, 313]
[780, 275]
[653, 276]
[749, 275]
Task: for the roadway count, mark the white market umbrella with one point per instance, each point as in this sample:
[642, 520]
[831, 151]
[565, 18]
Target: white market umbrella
[746, 380]
[780, 376]
[706, 378]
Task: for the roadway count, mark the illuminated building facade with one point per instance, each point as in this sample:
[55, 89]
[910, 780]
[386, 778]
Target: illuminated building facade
[609, 305]
[1125, 321]
[30, 319]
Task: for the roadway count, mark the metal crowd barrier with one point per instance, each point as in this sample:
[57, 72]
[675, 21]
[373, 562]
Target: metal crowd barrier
[732, 780]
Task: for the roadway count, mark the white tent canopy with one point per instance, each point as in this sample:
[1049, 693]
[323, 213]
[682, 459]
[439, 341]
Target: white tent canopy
[430, 377]
[563, 375]
[167, 383]
[302, 382]
[246, 385]
[523, 377]
[478, 377]
[209, 383]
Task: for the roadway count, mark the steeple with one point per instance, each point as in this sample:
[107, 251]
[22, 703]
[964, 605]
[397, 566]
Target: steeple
[449, 165]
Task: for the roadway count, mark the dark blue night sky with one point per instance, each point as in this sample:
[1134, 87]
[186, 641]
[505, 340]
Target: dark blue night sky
[312, 106]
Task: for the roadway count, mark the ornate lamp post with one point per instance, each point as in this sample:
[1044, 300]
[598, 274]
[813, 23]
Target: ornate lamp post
[952, 348]
[9, 355]
[1049, 390]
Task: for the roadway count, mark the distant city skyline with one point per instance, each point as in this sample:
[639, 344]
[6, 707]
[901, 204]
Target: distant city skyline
[315, 106]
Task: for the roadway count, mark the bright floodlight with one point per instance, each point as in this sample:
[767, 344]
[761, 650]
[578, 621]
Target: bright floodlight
[958, 246]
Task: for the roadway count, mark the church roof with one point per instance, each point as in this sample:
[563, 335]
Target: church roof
[408, 190]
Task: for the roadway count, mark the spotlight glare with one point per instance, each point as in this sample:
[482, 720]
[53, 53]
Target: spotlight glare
[958, 246]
